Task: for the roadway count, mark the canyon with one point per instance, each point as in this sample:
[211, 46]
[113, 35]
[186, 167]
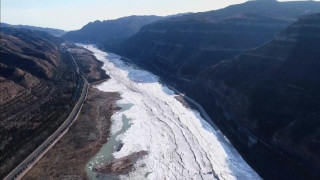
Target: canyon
[231, 93]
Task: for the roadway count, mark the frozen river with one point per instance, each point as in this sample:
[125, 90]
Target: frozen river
[180, 143]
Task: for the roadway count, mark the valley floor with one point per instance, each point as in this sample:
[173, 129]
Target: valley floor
[69, 157]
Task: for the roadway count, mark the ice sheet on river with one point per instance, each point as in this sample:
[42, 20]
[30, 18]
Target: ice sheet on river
[180, 143]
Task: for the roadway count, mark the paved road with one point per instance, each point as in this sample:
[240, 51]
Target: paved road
[34, 157]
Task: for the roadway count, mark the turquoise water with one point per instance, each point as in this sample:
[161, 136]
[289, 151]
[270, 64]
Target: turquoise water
[105, 153]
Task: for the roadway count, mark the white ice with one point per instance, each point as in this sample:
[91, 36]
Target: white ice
[181, 144]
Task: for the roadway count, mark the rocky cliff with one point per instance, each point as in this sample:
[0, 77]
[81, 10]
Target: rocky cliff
[187, 47]
[187, 44]
[273, 92]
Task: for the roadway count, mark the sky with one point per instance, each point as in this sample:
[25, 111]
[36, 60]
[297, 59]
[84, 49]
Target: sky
[73, 14]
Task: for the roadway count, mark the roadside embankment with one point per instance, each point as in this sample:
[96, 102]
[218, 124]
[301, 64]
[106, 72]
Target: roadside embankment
[68, 158]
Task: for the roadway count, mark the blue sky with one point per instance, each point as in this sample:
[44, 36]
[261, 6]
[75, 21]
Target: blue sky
[73, 14]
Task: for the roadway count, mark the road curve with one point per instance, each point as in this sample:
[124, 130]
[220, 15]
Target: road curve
[37, 154]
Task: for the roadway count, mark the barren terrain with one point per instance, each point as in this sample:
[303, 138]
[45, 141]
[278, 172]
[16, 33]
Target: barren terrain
[68, 158]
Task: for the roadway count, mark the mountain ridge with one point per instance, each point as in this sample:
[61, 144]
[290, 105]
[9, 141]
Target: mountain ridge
[168, 44]
[110, 31]
[52, 31]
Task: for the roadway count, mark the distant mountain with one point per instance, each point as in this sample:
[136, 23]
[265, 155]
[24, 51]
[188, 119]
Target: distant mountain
[52, 31]
[110, 31]
[185, 45]
[274, 92]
